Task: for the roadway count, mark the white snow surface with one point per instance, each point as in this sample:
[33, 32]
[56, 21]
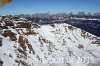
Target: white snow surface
[53, 46]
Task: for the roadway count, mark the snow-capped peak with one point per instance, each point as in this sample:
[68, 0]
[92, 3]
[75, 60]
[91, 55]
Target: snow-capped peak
[23, 44]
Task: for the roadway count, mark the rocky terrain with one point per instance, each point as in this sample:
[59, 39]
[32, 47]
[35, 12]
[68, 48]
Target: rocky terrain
[25, 43]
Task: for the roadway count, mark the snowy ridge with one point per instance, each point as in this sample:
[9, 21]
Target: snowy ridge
[39, 44]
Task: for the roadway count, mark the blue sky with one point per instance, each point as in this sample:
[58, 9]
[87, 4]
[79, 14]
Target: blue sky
[52, 6]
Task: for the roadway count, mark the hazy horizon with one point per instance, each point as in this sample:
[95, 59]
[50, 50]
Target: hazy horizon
[52, 6]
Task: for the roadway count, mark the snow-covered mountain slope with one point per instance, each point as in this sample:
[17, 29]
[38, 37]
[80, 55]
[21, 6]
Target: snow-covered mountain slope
[48, 45]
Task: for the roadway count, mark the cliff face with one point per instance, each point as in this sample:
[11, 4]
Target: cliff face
[23, 44]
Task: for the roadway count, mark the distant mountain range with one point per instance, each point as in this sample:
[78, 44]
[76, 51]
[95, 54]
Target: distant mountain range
[42, 43]
[87, 22]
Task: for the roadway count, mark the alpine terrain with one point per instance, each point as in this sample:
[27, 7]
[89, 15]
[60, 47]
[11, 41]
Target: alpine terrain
[25, 43]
